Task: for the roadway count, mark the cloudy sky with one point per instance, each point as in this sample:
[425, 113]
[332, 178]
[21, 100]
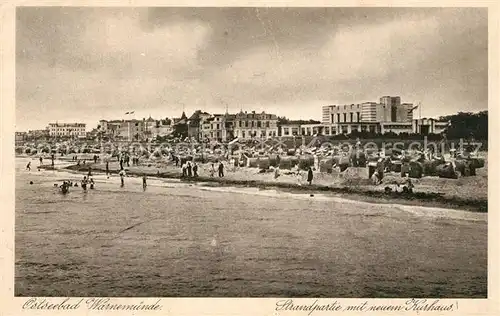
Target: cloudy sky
[86, 64]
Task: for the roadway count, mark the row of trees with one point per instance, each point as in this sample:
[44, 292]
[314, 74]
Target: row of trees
[467, 125]
[282, 120]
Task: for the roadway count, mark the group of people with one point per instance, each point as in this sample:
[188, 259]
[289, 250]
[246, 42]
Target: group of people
[190, 169]
[84, 183]
[220, 168]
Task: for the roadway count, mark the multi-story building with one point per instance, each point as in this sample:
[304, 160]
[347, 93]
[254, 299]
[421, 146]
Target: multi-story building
[131, 130]
[67, 130]
[161, 128]
[21, 137]
[260, 125]
[195, 124]
[367, 117]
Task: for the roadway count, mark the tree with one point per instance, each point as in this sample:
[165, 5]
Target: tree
[467, 125]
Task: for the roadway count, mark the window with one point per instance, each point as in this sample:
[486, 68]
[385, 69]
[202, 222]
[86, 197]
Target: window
[358, 117]
[240, 123]
[352, 117]
[338, 117]
[345, 117]
[259, 124]
[243, 134]
[267, 124]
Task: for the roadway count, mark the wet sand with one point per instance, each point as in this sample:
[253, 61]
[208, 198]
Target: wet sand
[468, 193]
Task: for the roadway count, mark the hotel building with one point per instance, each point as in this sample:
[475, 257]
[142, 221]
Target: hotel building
[67, 130]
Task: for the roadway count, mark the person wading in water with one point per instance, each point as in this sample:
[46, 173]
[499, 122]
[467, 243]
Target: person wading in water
[84, 183]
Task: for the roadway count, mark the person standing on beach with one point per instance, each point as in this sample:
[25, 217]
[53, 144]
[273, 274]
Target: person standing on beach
[144, 181]
[28, 166]
[299, 177]
[122, 177]
[107, 167]
[189, 169]
[221, 170]
[121, 164]
[276, 172]
[195, 170]
[184, 170]
[41, 161]
[310, 176]
[212, 170]
[90, 171]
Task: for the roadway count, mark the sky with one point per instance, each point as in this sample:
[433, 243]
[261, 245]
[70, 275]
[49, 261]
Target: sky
[85, 64]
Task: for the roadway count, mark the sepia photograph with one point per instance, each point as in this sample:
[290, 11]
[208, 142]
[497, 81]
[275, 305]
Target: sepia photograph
[268, 152]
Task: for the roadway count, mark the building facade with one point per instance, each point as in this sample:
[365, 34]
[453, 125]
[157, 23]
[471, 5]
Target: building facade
[388, 109]
[67, 130]
[255, 125]
[135, 130]
[21, 137]
[389, 114]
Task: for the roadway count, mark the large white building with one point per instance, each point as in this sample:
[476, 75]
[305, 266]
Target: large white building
[67, 130]
[387, 115]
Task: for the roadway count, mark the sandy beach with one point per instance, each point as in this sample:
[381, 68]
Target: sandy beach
[467, 193]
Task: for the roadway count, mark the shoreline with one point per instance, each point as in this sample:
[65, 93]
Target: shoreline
[356, 193]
